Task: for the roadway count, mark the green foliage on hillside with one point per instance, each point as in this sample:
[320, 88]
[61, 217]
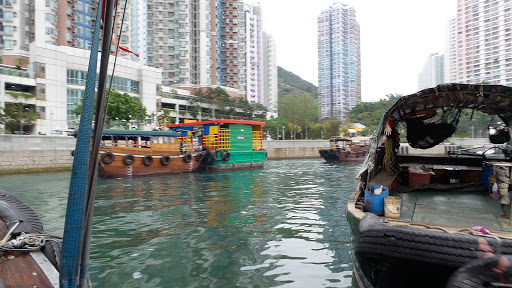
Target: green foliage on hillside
[298, 109]
[289, 83]
[369, 113]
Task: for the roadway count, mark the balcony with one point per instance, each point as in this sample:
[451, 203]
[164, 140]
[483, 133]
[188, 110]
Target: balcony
[7, 70]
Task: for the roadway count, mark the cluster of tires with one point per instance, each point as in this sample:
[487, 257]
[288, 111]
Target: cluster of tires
[330, 153]
[12, 211]
[205, 155]
[217, 155]
[335, 154]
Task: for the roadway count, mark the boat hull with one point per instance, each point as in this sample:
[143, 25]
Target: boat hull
[239, 160]
[336, 155]
[120, 169]
[400, 255]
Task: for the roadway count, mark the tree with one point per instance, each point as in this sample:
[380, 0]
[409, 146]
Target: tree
[298, 109]
[17, 116]
[369, 113]
[259, 110]
[331, 127]
[273, 127]
[122, 106]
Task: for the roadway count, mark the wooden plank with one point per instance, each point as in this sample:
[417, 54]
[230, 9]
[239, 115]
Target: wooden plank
[19, 269]
[383, 178]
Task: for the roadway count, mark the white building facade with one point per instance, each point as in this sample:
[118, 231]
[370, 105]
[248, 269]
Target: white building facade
[433, 72]
[339, 61]
[480, 42]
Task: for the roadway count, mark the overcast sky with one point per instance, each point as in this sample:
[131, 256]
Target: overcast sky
[396, 38]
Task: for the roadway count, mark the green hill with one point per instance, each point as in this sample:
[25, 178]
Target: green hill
[289, 83]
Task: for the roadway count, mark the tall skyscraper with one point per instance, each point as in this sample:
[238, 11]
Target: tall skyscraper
[480, 42]
[270, 96]
[339, 65]
[433, 72]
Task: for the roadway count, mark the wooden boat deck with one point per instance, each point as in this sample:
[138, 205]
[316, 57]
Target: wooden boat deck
[455, 209]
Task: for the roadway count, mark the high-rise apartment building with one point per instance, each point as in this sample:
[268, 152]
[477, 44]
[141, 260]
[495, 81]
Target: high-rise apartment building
[433, 72]
[195, 43]
[339, 65]
[480, 42]
[270, 96]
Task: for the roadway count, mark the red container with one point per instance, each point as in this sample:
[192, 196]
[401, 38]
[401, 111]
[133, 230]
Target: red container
[416, 179]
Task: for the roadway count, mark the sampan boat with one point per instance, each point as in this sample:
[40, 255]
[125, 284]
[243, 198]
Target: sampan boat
[435, 221]
[127, 153]
[345, 149]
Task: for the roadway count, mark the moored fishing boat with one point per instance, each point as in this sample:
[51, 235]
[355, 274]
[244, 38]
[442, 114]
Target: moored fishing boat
[438, 227]
[228, 143]
[127, 153]
[345, 149]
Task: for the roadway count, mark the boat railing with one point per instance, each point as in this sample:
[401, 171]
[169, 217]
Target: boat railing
[221, 140]
[257, 140]
[225, 139]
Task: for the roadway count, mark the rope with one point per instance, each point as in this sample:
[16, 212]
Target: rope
[389, 158]
[25, 243]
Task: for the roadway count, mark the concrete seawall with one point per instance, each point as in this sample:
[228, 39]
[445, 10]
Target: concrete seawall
[297, 149]
[30, 153]
[20, 153]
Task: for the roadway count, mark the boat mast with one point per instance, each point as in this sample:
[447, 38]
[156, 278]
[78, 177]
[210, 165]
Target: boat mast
[84, 164]
[95, 149]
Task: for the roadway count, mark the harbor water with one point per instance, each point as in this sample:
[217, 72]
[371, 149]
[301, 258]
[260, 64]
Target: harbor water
[281, 225]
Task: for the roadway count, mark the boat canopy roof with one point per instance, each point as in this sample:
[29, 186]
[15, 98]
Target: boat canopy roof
[490, 99]
[421, 110]
[139, 133]
[218, 121]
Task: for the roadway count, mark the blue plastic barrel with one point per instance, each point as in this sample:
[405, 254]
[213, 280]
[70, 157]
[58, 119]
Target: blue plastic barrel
[487, 170]
[374, 199]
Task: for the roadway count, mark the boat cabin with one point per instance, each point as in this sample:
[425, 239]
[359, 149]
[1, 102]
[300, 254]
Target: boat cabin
[137, 139]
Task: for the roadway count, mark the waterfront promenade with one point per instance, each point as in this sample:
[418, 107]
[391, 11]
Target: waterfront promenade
[34, 153]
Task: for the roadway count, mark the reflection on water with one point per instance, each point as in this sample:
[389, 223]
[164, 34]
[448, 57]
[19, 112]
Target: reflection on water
[280, 225]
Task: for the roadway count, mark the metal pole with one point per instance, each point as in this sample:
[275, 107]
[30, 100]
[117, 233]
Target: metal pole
[98, 131]
[277, 133]
[283, 132]
[77, 198]
[306, 129]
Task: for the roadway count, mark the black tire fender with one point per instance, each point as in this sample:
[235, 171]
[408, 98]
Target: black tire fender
[187, 158]
[128, 159]
[481, 272]
[218, 155]
[13, 210]
[165, 160]
[147, 160]
[107, 158]
[53, 251]
[227, 156]
[200, 156]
